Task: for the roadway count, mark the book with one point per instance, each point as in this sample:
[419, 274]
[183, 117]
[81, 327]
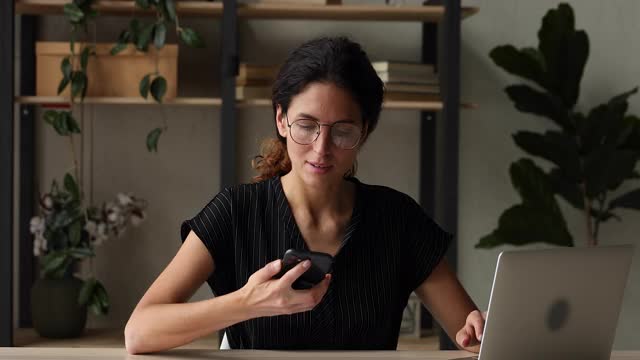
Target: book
[293, 2]
[253, 82]
[253, 92]
[398, 77]
[410, 96]
[256, 72]
[403, 67]
[412, 88]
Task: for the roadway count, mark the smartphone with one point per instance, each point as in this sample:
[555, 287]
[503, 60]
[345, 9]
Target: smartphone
[321, 264]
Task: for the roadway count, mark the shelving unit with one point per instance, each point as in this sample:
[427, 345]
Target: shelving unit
[437, 117]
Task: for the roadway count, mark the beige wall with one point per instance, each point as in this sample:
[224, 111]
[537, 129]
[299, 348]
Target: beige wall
[183, 176]
[487, 150]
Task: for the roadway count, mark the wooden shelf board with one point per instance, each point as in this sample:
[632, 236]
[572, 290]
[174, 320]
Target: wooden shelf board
[430, 13]
[203, 101]
[115, 7]
[59, 100]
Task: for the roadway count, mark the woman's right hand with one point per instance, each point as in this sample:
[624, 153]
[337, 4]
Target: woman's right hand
[265, 296]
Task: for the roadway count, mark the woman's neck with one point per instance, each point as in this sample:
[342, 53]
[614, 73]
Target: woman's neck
[329, 201]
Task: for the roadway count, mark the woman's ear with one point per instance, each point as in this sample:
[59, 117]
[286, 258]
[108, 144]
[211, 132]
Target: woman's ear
[281, 122]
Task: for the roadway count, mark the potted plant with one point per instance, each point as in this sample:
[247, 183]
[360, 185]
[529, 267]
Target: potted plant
[69, 229]
[591, 154]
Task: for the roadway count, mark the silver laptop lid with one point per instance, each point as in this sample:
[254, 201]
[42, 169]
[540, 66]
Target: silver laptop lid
[560, 303]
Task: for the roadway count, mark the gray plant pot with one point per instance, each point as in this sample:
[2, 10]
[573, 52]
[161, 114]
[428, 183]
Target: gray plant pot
[55, 309]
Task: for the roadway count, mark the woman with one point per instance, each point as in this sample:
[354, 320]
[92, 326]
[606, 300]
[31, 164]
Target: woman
[326, 100]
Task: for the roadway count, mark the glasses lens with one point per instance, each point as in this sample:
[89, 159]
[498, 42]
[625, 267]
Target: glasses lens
[304, 132]
[345, 136]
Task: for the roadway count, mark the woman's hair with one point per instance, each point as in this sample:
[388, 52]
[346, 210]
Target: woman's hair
[335, 60]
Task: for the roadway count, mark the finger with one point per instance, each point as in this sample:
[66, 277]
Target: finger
[462, 338]
[470, 335]
[292, 275]
[476, 319]
[268, 271]
[320, 289]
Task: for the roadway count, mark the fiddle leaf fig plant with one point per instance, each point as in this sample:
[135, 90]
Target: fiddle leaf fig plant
[589, 154]
[154, 33]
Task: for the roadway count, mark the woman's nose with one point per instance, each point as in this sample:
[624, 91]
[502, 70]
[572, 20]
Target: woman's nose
[323, 144]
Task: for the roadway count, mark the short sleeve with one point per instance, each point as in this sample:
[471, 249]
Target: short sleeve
[213, 226]
[426, 245]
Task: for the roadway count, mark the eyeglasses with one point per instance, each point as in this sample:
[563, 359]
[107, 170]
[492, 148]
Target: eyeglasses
[343, 135]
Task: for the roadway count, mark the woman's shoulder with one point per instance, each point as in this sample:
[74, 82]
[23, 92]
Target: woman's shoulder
[246, 191]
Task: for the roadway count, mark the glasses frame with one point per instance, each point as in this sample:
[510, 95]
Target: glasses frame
[319, 127]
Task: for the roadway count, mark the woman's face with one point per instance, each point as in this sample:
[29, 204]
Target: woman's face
[321, 162]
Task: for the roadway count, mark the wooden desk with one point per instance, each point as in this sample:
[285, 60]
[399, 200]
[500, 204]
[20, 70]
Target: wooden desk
[25, 353]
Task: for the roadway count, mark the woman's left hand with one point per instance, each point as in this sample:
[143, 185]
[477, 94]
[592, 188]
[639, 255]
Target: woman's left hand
[471, 334]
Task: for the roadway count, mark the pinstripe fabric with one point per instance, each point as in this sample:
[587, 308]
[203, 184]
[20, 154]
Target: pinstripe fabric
[390, 247]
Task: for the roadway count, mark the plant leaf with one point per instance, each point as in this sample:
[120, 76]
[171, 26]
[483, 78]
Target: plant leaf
[73, 12]
[558, 26]
[63, 85]
[53, 262]
[553, 146]
[630, 200]
[520, 63]
[81, 252]
[70, 123]
[152, 139]
[50, 116]
[170, 6]
[144, 37]
[60, 124]
[65, 67]
[117, 48]
[144, 86]
[529, 100]
[158, 88]
[159, 35]
[606, 168]
[84, 57]
[75, 233]
[71, 186]
[521, 225]
[78, 84]
[191, 38]
[87, 291]
[143, 4]
[537, 219]
[567, 189]
[575, 54]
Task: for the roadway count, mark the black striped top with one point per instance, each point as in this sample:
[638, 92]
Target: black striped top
[389, 249]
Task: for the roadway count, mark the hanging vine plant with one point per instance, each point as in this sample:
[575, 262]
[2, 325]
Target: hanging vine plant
[143, 35]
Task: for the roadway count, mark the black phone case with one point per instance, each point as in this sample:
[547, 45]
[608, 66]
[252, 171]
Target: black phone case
[321, 264]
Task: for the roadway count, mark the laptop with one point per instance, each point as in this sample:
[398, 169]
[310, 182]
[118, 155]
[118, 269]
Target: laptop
[555, 304]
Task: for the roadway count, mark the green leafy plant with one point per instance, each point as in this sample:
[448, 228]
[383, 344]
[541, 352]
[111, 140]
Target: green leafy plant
[68, 229]
[142, 36]
[591, 154]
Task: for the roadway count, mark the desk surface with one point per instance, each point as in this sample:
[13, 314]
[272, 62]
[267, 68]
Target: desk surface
[24, 353]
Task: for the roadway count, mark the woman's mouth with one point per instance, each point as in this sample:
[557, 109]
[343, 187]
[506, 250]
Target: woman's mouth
[319, 167]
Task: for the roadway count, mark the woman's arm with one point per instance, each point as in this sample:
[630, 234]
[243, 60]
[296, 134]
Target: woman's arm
[162, 320]
[452, 307]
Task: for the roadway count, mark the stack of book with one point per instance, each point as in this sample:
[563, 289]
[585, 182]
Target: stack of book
[255, 81]
[408, 81]
[293, 2]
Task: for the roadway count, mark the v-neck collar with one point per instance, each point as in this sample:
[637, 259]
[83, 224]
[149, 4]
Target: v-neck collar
[293, 231]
